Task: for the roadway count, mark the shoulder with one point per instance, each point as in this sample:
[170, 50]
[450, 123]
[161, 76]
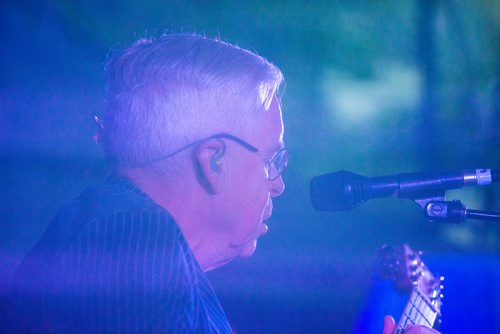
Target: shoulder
[109, 229]
[112, 213]
[137, 235]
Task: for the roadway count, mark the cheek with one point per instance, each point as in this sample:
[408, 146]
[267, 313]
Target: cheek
[258, 191]
[250, 208]
[256, 205]
[253, 190]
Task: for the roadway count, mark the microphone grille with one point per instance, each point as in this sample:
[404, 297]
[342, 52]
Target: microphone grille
[338, 191]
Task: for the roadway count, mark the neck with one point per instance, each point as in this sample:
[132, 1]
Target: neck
[418, 310]
[192, 209]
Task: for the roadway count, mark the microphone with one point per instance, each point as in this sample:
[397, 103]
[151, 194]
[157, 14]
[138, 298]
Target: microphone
[343, 190]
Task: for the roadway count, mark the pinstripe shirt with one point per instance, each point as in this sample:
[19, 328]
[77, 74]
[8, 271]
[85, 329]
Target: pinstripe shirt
[115, 261]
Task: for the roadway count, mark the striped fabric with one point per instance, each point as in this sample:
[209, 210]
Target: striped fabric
[114, 261]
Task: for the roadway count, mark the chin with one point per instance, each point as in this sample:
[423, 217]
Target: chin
[249, 249]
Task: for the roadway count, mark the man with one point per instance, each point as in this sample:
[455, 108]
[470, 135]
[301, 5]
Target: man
[193, 135]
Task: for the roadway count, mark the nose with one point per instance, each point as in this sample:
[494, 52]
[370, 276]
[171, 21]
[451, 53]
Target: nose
[277, 186]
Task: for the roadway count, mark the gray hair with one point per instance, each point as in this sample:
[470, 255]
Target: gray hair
[165, 93]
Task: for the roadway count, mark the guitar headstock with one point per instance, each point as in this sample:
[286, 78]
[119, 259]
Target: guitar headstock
[408, 272]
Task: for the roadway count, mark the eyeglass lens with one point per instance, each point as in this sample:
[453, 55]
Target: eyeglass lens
[278, 164]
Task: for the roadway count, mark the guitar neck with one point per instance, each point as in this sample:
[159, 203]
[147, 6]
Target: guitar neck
[419, 311]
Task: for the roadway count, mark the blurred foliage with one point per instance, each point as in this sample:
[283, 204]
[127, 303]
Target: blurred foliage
[353, 96]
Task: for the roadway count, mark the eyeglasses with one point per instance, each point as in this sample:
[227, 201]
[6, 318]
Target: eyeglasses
[275, 164]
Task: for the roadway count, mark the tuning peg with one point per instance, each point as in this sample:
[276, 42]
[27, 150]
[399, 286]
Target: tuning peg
[415, 263]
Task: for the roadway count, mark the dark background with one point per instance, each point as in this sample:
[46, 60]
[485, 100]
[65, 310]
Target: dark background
[374, 87]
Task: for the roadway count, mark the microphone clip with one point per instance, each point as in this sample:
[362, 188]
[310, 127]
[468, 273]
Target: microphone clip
[438, 210]
[445, 211]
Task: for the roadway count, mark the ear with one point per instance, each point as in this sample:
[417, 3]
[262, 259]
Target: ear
[209, 161]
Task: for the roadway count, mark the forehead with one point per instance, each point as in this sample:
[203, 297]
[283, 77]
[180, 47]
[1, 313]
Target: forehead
[269, 136]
